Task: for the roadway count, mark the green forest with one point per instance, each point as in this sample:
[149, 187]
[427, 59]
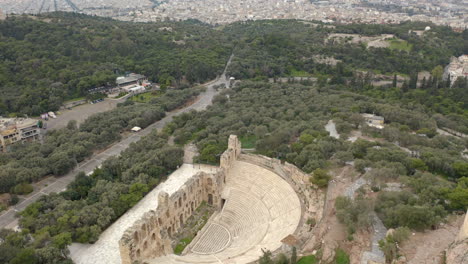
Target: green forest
[50, 58]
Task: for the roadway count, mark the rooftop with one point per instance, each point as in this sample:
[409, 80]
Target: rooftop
[372, 116]
[132, 77]
[7, 124]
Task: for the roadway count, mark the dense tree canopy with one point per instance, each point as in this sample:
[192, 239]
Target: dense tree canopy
[53, 57]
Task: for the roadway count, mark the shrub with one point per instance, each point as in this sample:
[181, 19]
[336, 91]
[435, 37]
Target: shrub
[14, 199]
[354, 214]
[320, 178]
[341, 257]
[389, 245]
[23, 188]
[307, 260]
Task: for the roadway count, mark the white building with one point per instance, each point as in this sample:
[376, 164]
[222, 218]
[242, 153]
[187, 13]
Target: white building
[14, 130]
[458, 67]
[374, 120]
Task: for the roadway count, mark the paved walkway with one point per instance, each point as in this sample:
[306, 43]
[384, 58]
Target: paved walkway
[375, 254]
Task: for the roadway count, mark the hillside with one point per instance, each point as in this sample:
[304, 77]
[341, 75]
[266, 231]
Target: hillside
[295, 82]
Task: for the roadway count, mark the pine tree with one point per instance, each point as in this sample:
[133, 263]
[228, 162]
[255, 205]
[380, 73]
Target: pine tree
[404, 87]
[413, 81]
[449, 82]
[294, 256]
[394, 84]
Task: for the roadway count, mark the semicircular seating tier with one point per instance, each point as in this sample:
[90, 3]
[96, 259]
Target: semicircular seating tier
[260, 210]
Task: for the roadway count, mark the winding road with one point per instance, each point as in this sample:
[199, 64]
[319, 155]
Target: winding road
[58, 184]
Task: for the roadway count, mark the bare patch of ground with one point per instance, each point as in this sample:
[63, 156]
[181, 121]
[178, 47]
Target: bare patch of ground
[326, 60]
[371, 41]
[190, 151]
[428, 247]
[330, 233]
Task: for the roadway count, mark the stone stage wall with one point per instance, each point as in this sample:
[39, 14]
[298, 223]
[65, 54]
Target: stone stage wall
[151, 236]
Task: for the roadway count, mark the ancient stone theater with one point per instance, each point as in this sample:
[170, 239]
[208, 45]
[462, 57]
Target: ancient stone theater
[260, 204]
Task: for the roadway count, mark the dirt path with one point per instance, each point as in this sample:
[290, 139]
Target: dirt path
[330, 233]
[428, 247]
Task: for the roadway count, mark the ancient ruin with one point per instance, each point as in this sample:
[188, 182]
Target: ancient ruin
[258, 208]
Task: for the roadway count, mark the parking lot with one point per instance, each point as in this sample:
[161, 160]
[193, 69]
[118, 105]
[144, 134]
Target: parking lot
[81, 112]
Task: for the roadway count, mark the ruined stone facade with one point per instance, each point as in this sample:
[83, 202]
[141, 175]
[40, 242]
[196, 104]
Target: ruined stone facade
[151, 236]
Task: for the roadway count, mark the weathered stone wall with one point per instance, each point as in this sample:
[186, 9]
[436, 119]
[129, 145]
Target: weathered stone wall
[231, 154]
[151, 236]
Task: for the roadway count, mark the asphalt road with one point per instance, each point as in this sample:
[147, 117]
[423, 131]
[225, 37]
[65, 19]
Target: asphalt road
[8, 218]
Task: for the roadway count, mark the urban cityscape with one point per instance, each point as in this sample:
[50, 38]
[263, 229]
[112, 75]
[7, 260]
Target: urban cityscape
[233, 132]
[453, 13]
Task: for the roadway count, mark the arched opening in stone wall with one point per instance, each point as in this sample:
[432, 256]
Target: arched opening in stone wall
[210, 199]
[159, 221]
[175, 205]
[185, 197]
[191, 207]
[180, 201]
[138, 253]
[181, 219]
[209, 182]
[135, 236]
[145, 245]
[153, 237]
[223, 201]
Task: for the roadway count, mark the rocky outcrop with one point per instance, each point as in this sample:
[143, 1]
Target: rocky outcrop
[457, 253]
